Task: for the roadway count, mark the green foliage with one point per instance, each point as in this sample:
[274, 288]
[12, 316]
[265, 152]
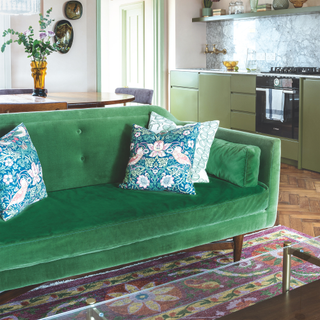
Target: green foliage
[207, 3]
[38, 50]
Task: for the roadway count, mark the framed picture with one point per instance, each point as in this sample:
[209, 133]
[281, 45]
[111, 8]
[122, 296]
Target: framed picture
[63, 35]
[73, 10]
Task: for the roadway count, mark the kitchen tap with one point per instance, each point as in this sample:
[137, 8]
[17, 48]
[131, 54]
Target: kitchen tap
[214, 50]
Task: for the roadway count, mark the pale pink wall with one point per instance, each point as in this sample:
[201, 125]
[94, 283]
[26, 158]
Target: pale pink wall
[73, 71]
[186, 39]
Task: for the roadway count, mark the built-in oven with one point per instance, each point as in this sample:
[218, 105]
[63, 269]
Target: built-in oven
[277, 106]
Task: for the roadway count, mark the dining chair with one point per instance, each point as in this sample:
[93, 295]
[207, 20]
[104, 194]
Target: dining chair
[15, 91]
[143, 96]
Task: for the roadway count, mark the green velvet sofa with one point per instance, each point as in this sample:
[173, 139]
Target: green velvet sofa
[87, 223]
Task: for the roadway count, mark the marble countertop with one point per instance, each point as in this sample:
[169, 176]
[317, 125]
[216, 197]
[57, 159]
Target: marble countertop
[245, 72]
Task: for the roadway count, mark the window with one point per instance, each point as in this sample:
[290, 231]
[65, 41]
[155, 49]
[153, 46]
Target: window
[5, 58]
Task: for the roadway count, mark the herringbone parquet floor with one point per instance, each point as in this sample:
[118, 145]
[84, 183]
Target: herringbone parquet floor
[299, 200]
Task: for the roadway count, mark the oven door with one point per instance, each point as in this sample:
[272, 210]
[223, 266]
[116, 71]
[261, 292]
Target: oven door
[277, 112]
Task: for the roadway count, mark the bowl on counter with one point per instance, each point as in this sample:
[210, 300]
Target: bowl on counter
[230, 65]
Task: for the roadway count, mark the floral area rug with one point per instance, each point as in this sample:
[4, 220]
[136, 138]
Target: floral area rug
[194, 285]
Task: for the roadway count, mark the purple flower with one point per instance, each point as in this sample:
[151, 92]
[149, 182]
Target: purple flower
[51, 34]
[42, 35]
[27, 33]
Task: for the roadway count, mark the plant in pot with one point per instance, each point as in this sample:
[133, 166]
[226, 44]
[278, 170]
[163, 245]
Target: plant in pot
[207, 11]
[37, 50]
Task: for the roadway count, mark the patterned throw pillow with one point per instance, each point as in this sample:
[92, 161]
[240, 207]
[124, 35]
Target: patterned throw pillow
[21, 180]
[205, 138]
[161, 162]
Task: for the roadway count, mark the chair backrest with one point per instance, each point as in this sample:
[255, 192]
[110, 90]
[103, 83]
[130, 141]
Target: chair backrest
[16, 91]
[141, 95]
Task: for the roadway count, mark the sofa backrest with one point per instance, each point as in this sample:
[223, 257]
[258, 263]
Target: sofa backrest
[91, 146]
[81, 147]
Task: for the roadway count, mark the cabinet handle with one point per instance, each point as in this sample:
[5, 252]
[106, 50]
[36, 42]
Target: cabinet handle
[289, 91]
[284, 91]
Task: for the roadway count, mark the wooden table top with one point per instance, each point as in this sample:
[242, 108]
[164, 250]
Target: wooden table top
[58, 101]
[301, 303]
[83, 99]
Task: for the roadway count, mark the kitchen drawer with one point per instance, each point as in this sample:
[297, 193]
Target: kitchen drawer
[243, 84]
[243, 102]
[184, 79]
[243, 121]
[289, 149]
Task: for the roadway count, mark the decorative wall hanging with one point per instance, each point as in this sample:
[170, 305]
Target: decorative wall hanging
[63, 35]
[73, 10]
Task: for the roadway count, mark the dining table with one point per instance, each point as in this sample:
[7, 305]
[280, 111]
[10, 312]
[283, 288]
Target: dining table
[61, 100]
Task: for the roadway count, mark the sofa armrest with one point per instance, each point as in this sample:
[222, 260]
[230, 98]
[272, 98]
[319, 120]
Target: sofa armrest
[270, 161]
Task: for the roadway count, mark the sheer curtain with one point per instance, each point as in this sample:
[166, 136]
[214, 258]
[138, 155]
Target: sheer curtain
[5, 58]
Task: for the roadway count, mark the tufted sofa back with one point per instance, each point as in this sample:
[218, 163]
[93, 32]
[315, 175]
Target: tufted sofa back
[81, 147]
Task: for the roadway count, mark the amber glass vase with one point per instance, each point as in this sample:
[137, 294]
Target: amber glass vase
[38, 72]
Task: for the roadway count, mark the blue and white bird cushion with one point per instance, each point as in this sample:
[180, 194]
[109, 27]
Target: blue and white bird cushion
[161, 161]
[21, 182]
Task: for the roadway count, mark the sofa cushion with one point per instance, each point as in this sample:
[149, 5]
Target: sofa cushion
[108, 217]
[21, 180]
[161, 161]
[235, 162]
[205, 138]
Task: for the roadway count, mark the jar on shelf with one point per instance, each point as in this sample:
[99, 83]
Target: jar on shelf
[239, 7]
[232, 7]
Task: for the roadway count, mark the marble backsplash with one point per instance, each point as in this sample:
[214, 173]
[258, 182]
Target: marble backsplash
[294, 41]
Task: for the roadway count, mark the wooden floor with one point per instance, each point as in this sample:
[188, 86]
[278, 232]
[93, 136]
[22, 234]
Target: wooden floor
[299, 200]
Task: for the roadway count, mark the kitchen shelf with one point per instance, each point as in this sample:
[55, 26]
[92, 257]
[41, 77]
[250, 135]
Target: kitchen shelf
[257, 15]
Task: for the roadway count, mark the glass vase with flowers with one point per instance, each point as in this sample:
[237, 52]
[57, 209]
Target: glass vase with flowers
[37, 49]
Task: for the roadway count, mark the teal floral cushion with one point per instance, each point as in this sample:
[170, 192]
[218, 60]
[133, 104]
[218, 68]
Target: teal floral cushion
[21, 182]
[163, 161]
[205, 138]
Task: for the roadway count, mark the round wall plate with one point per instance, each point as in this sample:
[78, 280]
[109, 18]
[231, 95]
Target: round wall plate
[63, 35]
[73, 10]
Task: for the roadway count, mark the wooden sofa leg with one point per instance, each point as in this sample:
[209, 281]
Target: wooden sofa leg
[237, 247]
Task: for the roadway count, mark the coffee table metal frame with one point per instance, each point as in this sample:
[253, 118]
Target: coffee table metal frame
[288, 252]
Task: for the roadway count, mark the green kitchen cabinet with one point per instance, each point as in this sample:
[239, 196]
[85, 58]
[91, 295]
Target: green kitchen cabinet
[214, 98]
[310, 157]
[184, 95]
[184, 103]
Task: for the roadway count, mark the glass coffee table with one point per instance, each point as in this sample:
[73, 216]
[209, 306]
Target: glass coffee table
[214, 293]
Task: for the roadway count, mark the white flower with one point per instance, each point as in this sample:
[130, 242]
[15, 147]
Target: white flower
[131, 146]
[143, 182]
[9, 162]
[7, 178]
[187, 132]
[137, 134]
[27, 33]
[190, 144]
[167, 181]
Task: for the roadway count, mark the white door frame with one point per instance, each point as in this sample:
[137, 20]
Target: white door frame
[141, 59]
